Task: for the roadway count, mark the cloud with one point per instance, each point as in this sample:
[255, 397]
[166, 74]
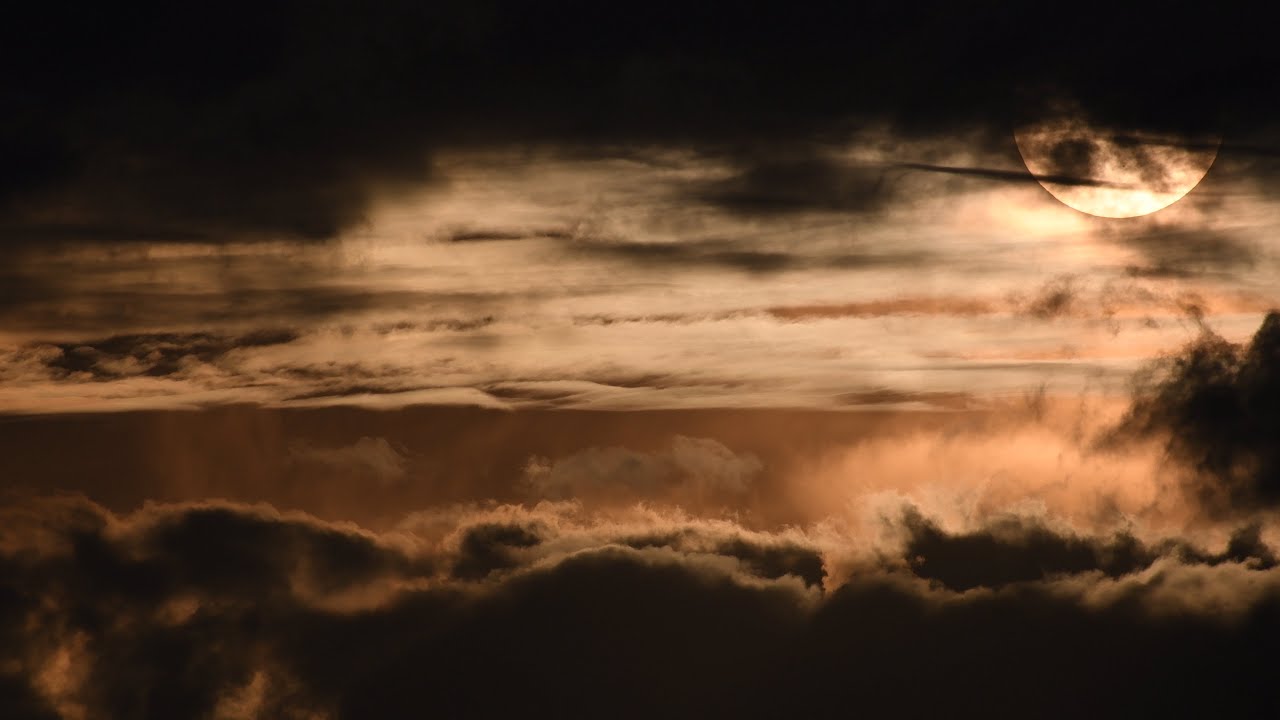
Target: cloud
[1077, 179]
[692, 470]
[735, 254]
[1012, 549]
[1216, 404]
[366, 457]
[802, 183]
[154, 354]
[184, 609]
[710, 252]
[1192, 250]
[1057, 297]
[780, 183]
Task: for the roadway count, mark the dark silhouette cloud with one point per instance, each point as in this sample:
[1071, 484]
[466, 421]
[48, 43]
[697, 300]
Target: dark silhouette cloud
[490, 547]
[241, 611]
[1191, 250]
[1028, 651]
[494, 235]
[1218, 405]
[735, 254]
[802, 183]
[1013, 549]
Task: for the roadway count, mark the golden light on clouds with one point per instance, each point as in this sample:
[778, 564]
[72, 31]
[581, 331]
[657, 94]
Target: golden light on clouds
[1113, 174]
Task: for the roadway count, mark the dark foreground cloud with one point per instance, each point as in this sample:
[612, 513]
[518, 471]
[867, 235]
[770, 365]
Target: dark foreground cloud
[289, 118]
[227, 610]
[1217, 404]
[1012, 549]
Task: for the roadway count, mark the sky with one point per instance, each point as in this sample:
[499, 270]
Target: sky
[384, 359]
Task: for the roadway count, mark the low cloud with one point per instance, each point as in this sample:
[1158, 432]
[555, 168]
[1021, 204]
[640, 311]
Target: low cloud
[1215, 404]
[690, 470]
[367, 457]
[188, 610]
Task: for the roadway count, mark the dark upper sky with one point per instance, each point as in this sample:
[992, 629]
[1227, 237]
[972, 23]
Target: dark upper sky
[244, 119]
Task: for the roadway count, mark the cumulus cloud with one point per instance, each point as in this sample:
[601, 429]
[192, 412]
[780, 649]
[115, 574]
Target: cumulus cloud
[368, 457]
[694, 470]
[1216, 404]
[187, 610]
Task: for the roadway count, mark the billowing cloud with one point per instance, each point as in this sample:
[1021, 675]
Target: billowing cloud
[371, 457]
[1216, 403]
[310, 121]
[191, 609]
[689, 470]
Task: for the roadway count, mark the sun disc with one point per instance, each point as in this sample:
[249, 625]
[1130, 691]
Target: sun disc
[1111, 173]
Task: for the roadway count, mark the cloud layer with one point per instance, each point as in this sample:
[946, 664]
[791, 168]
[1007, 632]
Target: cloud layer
[242, 611]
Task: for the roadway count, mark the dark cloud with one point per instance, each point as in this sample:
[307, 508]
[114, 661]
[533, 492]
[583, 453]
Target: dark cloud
[805, 183]
[239, 611]
[1013, 549]
[735, 254]
[494, 235]
[778, 561]
[284, 119]
[707, 252]
[1028, 651]
[154, 355]
[490, 547]
[888, 396]
[1190, 250]
[446, 324]
[1217, 404]
[1055, 298]
[749, 252]
[1080, 175]
[46, 303]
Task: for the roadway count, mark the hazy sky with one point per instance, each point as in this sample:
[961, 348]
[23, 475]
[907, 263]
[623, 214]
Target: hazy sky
[539, 278]
[580, 359]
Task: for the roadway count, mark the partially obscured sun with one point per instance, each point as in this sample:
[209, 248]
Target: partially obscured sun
[1113, 174]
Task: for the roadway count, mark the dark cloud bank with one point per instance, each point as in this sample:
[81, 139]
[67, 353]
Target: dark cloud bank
[163, 121]
[220, 609]
[232, 610]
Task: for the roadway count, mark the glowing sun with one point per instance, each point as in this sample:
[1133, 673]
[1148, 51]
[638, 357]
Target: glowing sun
[1113, 174]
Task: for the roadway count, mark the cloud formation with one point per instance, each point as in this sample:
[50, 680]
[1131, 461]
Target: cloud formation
[203, 608]
[694, 471]
[368, 457]
[1216, 403]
